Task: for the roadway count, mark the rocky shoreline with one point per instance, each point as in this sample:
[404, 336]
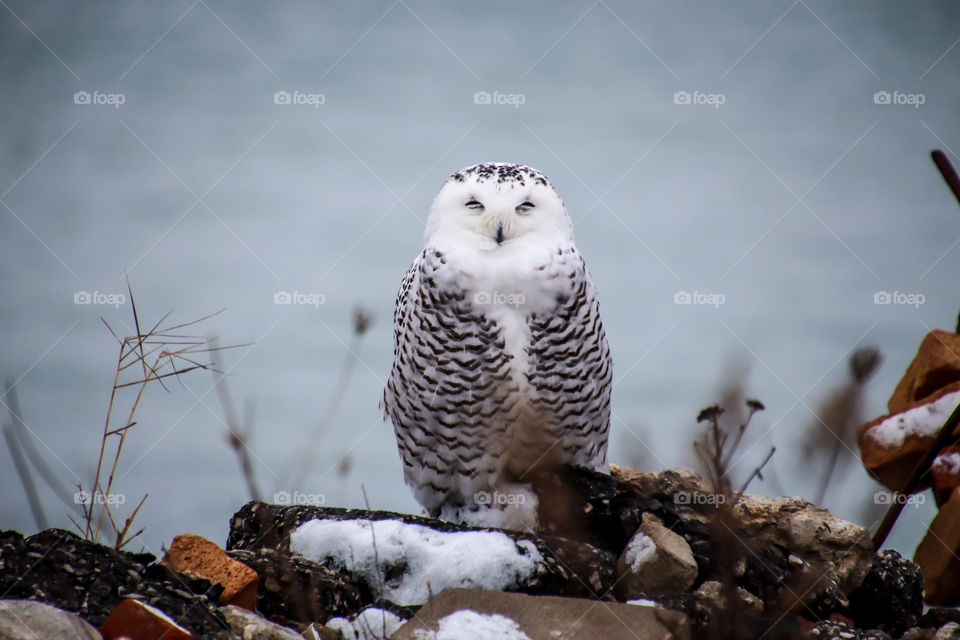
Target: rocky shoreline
[650, 555]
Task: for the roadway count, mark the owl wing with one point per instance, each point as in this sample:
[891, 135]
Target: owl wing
[571, 370]
[449, 387]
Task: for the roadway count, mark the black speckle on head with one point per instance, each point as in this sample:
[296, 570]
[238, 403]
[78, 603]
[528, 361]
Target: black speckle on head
[501, 174]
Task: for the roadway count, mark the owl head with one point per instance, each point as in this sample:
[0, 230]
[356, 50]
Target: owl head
[496, 205]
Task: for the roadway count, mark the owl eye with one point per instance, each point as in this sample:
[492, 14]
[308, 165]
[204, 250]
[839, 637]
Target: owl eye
[524, 207]
[475, 205]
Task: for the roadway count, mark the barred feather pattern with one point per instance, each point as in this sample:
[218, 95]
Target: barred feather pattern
[479, 393]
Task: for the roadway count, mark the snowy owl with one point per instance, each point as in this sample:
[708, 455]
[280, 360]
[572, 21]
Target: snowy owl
[500, 359]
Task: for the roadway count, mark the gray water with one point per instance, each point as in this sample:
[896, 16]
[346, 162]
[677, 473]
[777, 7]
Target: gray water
[796, 199]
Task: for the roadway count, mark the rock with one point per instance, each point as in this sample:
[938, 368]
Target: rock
[370, 624]
[811, 533]
[250, 626]
[320, 632]
[299, 590]
[655, 562]
[711, 597]
[776, 548]
[936, 617]
[59, 568]
[892, 446]
[408, 544]
[830, 630]
[936, 365]
[135, 620]
[949, 631]
[890, 597]
[29, 620]
[541, 617]
[918, 633]
[199, 557]
[593, 571]
[937, 555]
[587, 506]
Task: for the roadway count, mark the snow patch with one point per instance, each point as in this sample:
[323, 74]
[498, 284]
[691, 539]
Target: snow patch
[643, 602]
[371, 624]
[947, 462]
[641, 550]
[476, 626]
[411, 556]
[923, 421]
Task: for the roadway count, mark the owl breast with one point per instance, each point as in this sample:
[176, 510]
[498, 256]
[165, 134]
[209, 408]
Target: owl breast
[500, 364]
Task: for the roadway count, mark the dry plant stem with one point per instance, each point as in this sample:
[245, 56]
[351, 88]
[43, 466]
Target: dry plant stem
[165, 349]
[757, 472]
[36, 508]
[32, 455]
[376, 559]
[947, 171]
[831, 467]
[339, 391]
[237, 435]
[944, 436]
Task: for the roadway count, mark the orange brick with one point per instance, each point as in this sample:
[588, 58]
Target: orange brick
[134, 620]
[937, 555]
[893, 465]
[198, 556]
[936, 365]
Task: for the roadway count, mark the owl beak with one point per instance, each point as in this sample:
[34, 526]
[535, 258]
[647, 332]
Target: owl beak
[499, 237]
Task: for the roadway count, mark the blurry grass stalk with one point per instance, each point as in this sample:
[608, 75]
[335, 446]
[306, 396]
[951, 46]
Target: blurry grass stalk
[238, 435]
[361, 322]
[23, 471]
[838, 416]
[23, 452]
[148, 357]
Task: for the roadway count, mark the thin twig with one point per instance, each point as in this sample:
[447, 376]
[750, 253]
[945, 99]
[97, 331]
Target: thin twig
[947, 171]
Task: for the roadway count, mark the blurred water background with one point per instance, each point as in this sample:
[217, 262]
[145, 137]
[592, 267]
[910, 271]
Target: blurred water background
[740, 151]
